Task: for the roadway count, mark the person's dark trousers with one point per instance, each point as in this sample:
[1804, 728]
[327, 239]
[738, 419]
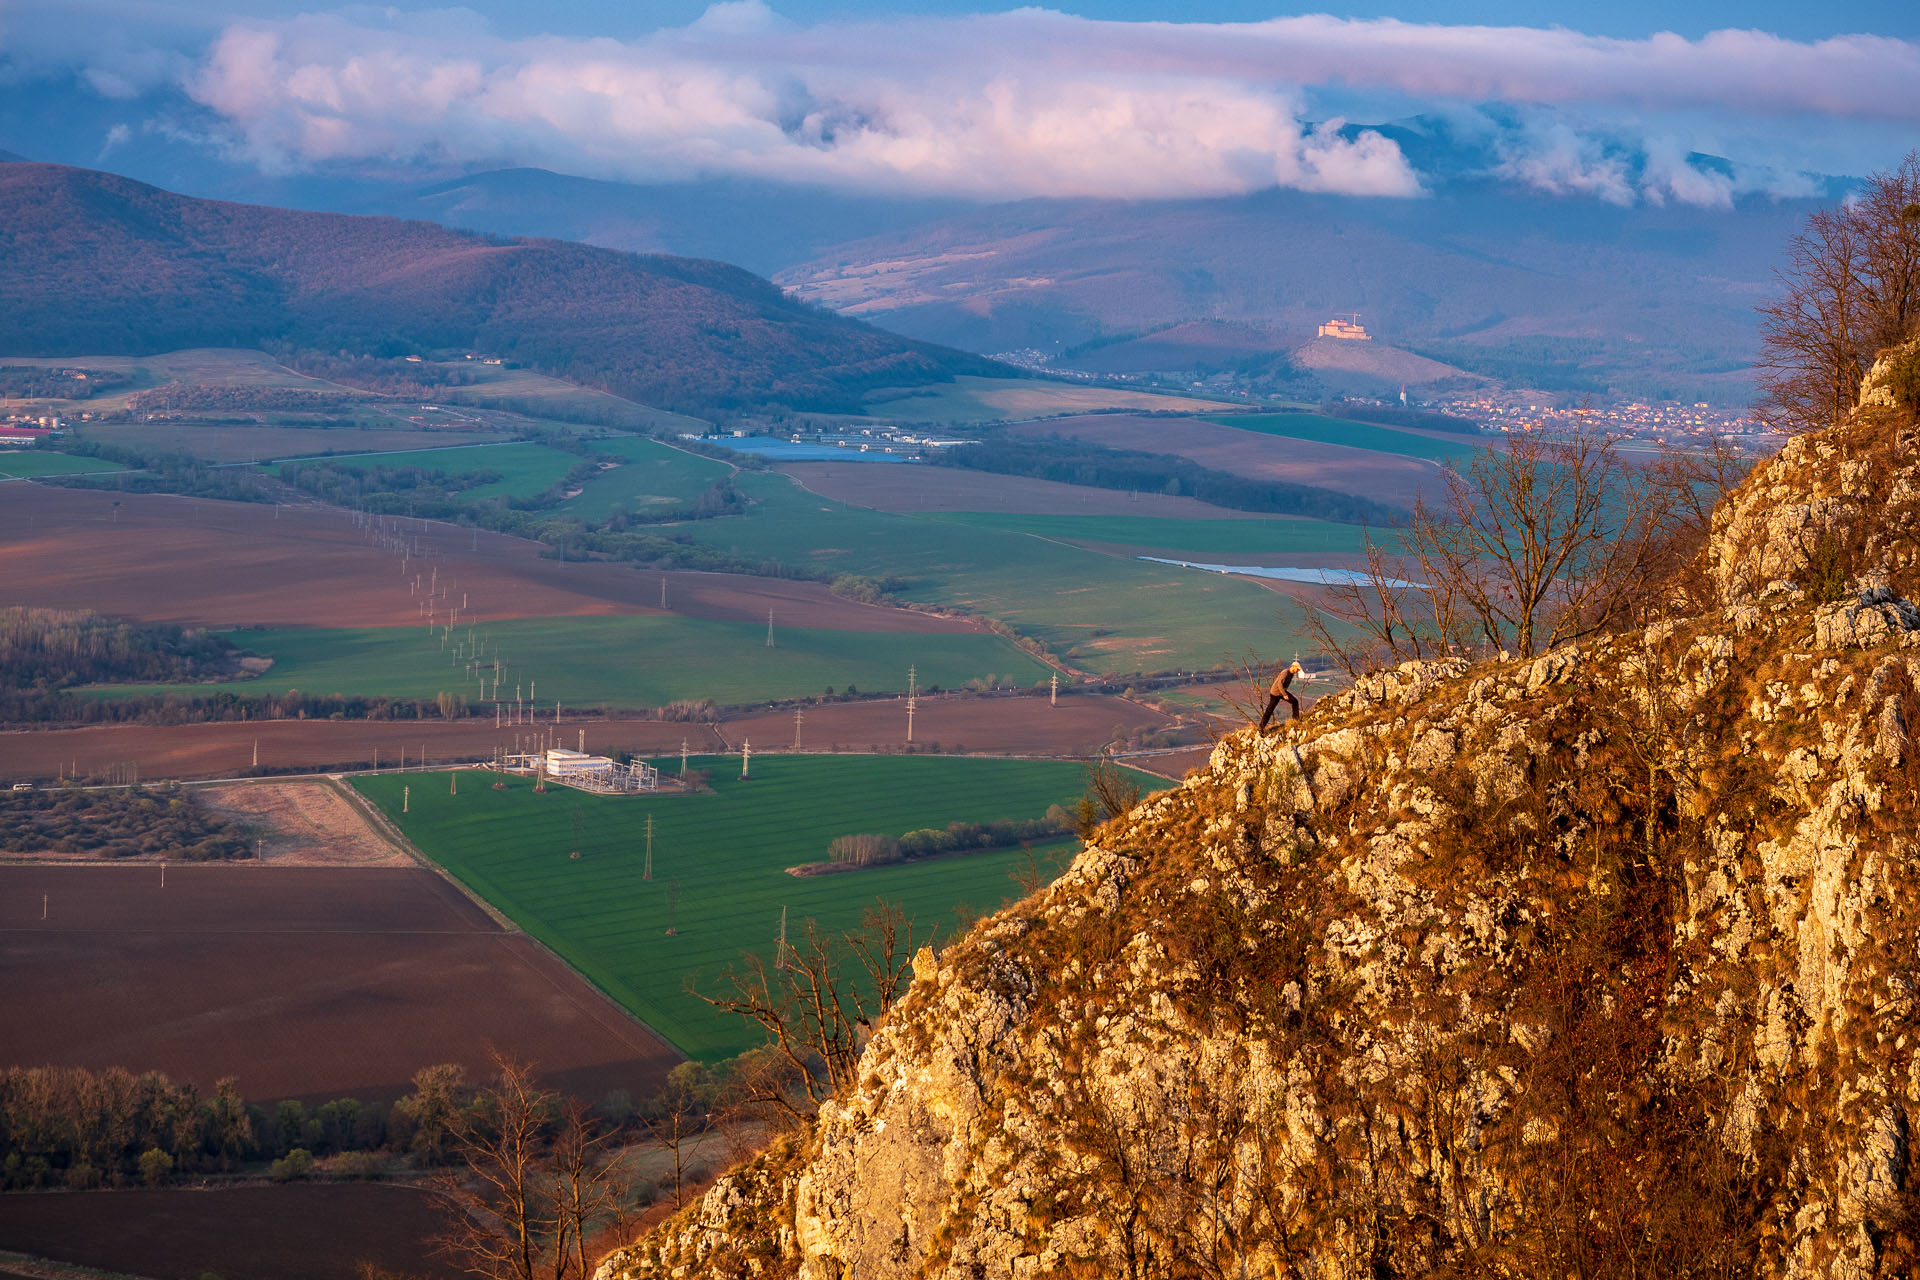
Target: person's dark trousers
[1274, 700]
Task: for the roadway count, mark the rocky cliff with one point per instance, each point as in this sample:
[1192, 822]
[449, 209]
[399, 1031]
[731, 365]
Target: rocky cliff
[1605, 963]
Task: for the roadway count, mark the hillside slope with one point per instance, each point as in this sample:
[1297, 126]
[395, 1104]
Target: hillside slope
[1601, 964]
[101, 264]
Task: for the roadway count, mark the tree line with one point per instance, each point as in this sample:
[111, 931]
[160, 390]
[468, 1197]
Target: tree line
[54, 707]
[868, 850]
[45, 382]
[44, 649]
[177, 397]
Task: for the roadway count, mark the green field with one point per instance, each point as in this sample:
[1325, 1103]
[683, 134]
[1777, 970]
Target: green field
[654, 477]
[1355, 435]
[1102, 612]
[629, 662]
[724, 853]
[28, 463]
[1203, 537]
[525, 469]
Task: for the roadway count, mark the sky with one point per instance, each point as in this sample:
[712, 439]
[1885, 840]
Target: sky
[1633, 102]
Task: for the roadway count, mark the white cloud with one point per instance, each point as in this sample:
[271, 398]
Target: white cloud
[710, 99]
[1032, 101]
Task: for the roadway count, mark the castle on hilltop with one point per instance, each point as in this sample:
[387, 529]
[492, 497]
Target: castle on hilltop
[1351, 330]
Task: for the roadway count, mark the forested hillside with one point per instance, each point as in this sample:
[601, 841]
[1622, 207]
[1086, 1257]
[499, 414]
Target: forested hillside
[101, 264]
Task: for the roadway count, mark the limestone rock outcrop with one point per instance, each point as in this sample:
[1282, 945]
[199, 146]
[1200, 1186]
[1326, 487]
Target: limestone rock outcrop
[1605, 962]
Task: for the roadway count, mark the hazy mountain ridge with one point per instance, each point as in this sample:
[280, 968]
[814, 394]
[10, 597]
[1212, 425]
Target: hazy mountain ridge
[101, 264]
[1653, 292]
[1598, 963]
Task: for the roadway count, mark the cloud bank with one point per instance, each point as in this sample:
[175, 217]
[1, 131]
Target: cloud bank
[1034, 102]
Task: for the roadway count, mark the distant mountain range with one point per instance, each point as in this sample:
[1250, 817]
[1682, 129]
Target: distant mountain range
[1556, 293]
[1568, 293]
[98, 263]
[1484, 274]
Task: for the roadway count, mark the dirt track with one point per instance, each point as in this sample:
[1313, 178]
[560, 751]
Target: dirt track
[307, 982]
[187, 560]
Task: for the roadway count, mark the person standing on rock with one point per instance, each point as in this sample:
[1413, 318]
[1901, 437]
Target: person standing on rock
[1277, 691]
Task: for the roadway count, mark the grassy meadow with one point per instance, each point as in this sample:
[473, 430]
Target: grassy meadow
[653, 477]
[722, 855]
[27, 464]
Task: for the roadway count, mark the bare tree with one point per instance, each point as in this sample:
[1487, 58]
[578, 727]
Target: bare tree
[679, 1113]
[818, 1005]
[531, 1180]
[1531, 545]
[1850, 288]
[587, 1184]
[504, 1224]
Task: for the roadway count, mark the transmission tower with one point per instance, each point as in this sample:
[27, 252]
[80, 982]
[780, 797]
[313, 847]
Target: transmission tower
[647, 869]
[799, 716]
[673, 900]
[746, 757]
[1053, 690]
[913, 698]
[769, 628]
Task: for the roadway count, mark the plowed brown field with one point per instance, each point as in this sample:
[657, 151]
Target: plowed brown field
[1019, 725]
[295, 1232]
[1080, 725]
[303, 982]
[169, 559]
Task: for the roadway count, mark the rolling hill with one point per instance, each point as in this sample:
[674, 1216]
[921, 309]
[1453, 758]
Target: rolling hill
[101, 264]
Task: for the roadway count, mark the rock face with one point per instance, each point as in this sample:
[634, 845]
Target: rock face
[1605, 963]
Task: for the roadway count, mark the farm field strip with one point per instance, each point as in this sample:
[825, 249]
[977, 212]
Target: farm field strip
[526, 469]
[1394, 478]
[920, 489]
[1321, 429]
[228, 443]
[296, 1231]
[631, 661]
[1103, 613]
[27, 464]
[977, 399]
[231, 568]
[1217, 537]
[1079, 725]
[313, 982]
[719, 863]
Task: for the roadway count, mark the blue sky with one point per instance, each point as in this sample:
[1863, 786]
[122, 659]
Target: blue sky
[1699, 104]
